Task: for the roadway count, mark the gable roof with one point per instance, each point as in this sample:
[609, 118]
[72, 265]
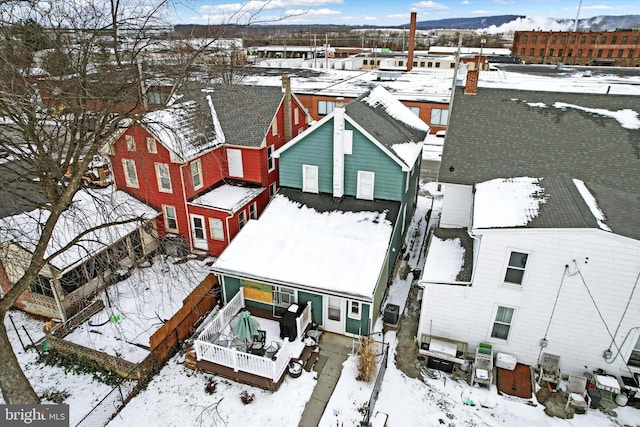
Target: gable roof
[392, 124]
[187, 126]
[333, 246]
[245, 113]
[506, 133]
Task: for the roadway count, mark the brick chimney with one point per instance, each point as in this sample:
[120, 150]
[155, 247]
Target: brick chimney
[412, 40]
[471, 86]
[286, 88]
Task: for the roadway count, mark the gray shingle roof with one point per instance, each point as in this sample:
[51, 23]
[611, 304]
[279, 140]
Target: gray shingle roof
[620, 208]
[501, 133]
[245, 112]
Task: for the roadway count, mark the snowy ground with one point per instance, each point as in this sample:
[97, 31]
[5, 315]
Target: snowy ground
[177, 396]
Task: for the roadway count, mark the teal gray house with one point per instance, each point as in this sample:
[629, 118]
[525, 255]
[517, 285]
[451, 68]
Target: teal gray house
[332, 234]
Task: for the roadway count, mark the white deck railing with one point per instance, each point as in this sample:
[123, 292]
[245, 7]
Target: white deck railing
[238, 360]
[303, 321]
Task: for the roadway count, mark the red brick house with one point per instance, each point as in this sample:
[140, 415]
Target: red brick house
[205, 160]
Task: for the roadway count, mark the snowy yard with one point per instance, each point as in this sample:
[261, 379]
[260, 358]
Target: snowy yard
[176, 396]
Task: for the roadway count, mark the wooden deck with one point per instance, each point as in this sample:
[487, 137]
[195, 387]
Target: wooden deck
[240, 376]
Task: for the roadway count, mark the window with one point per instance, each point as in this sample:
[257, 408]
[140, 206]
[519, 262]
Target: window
[296, 116]
[282, 299]
[599, 54]
[130, 173]
[579, 53]
[614, 39]
[620, 53]
[325, 107]
[273, 188]
[593, 39]
[354, 309]
[131, 142]
[532, 51]
[610, 53]
[152, 148]
[542, 52]
[271, 162]
[563, 39]
[630, 53]
[554, 39]
[525, 38]
[170, 218]
[415, 110]
[437, 65]
[624, 39]
[41, 285]
[589, 53]
[234, 158]
[422, 64]
[365, 185]
[400, 63]
[534, 39]
[274, 127]
[365, 62]
[603, 39]
[164, 177]
[570, 53]
[452, 65]
[634, 40]
[551, 52]
[242, 218]
[196, 174]
[560, 52]
[198, 227]
[502, 323]
[429, 64]
[515, 270]
[583, 39]
[310, 178]
[439, 116]
[215, 228]
[522, 51]
[333, 309]
[253, 211]
[634, 357]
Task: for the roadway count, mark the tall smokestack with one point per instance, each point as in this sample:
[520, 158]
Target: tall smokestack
[286, 88]
[412, 40]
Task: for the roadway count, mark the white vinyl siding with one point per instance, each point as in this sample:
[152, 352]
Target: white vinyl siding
[216, 229]
[234, 157]
[130, 173]
[365, 185]
[164, 178]
[310, 178]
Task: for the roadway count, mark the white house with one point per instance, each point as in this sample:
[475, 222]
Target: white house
[538, 248]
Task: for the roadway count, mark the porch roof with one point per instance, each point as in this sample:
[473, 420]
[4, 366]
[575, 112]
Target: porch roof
[325, 248]
[228, 198]
[449, 257]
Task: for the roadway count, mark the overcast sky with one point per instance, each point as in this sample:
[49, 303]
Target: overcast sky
[385, 12]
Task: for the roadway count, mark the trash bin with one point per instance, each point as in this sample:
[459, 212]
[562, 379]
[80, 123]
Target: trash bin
[391, 314]
[595, 396]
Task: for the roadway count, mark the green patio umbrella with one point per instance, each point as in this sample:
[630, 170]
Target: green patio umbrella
[245, 328]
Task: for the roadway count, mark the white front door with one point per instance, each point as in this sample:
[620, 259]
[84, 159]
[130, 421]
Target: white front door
[334, 314]
[199, 232]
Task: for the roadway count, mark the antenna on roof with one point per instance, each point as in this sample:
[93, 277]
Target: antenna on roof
[575, 25]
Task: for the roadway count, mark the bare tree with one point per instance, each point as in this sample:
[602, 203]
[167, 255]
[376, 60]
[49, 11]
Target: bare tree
[71, 73]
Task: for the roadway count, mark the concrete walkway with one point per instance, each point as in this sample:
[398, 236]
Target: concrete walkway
[334, 350]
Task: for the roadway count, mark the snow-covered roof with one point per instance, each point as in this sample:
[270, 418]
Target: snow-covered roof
[187, 127]
[227, 197]
[380, 97]
[445, 260]
[337, 251]
[507, 202]
[90, 208]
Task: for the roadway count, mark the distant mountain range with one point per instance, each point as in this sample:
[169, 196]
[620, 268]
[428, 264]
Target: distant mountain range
[596, 23]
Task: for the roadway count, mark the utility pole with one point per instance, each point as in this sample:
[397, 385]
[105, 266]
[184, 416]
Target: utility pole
[326, 51]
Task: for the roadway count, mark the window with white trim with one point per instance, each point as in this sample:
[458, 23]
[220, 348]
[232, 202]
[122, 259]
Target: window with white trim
[131, 142]
[333, 309]
[415, 110]
[325, 107]
[310, 178]
[273, 188]
[274, 127]
[242, 219]
[271, 162]
[170, 218]
[164, 178]
[634, 357]
[354, 309]
[282, 298]
[196, 174]
[439, 116]
[130, 173]
[253, 210]
[516, 268]
[152, 148]
[216, 229]
[296, 116]
[365, 185]
[502, 323]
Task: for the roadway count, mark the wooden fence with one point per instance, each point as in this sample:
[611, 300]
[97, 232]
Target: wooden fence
[181, 326]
